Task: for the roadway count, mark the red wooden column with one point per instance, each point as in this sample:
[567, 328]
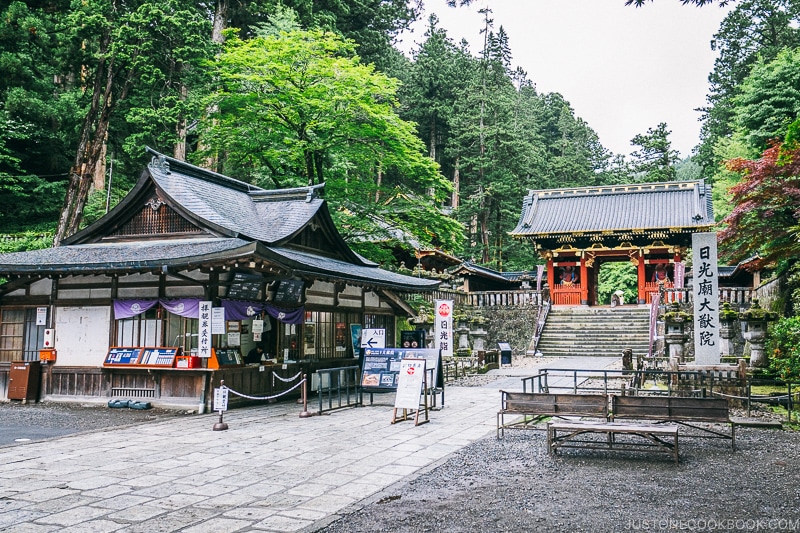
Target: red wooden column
[551, 278]
[641, 279]
[584, 282]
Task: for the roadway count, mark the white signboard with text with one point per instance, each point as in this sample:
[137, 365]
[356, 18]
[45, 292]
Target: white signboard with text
[409, 383]
[373, 338]
[443, 327]
[204, 330]
[706, 298]
[218, 321]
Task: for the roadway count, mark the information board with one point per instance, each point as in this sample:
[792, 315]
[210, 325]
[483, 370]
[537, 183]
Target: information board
[409, 383]
[245, 287]
[380, 369]
[373, 338]
[227, 357]
[382, 365]
[289, 291]
[122, 356]
[160, 356]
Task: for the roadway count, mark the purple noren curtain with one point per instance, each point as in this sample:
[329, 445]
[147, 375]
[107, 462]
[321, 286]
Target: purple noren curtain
[131, 308]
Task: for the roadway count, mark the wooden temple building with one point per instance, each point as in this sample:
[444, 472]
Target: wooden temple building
[120, 303]
[649, 224]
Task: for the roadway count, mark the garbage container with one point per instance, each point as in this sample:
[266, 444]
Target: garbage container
[23, 380]
[505, 353]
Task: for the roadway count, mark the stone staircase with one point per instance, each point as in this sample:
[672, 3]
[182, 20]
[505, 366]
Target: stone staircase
[595, 331]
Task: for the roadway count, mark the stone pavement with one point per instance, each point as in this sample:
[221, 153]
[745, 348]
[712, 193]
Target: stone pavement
[270, 471]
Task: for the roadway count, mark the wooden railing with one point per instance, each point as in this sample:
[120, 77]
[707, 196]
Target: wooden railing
[504, 298]
[486, 298]
[567, 295]
[736, 296]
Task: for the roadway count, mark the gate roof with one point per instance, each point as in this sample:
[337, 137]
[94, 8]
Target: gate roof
[635, 213]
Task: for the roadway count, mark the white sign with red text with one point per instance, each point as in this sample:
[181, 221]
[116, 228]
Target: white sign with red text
[409, 383]
[443, 327]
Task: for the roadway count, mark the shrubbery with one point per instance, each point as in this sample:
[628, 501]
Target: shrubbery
[784, 348]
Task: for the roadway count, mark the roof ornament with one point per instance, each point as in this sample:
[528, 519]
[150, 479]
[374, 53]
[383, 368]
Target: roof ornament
[155, 203]
[310, 194]
[160, 162]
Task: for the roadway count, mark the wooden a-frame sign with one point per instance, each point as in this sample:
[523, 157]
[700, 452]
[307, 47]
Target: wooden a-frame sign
[411, 385]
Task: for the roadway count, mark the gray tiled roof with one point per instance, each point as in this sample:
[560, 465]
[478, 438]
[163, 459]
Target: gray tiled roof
[242, 208]
[645, 206]
[319, 266]
[148, 255]
[134, 256]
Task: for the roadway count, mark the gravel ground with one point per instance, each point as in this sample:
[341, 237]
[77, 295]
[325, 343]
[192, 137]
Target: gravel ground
[512, 484]
[36, 421]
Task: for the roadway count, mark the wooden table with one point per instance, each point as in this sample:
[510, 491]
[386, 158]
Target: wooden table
[656, 438]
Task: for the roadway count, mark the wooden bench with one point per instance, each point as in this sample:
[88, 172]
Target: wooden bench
[655, 438]
[540, 405]
[677, 410]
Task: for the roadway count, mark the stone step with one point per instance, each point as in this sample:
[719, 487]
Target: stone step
[593, 331]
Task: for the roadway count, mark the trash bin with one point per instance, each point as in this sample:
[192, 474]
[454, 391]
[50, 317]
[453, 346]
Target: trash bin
[23, 380]
[505, 353]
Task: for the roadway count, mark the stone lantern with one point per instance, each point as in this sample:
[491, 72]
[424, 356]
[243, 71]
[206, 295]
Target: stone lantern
[478, 334]
[754, 330]
[424, 321]
[675, 337]
[727, 329]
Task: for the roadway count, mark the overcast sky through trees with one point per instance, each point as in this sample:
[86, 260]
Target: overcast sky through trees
[623, 69]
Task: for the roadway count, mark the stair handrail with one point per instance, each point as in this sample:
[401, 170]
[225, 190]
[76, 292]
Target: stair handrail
[541, 318]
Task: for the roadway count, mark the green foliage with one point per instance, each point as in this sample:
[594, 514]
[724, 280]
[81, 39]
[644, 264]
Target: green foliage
[766, 206]
[621, 275]
[753, 29]
[33, 239]
[783, 345]
[655, 159]
[769, 99]
[298, 107]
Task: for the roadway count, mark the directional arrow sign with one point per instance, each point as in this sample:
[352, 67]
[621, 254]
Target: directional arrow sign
[373, 338]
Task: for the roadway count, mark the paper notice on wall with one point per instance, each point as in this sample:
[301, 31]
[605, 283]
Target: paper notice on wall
[256, 336]
[258, 326]
[234, 338]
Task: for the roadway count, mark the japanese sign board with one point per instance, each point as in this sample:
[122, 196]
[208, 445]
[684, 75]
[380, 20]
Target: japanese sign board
[373, 338]
[443, 330]
[706, 298]
[204, 330]
[382, 366]
[41, 316]
[218, 320]
[221, 399]
[409, 383]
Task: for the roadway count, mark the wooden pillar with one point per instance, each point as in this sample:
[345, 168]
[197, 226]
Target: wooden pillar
[551, 278]
[641, 279]
[584, 279]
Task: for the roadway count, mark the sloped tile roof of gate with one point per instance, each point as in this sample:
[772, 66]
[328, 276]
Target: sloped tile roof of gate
[684, 205]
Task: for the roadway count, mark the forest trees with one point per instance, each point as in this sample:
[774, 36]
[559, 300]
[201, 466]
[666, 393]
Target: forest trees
[95, 80]
[655, 159]
[299, 104]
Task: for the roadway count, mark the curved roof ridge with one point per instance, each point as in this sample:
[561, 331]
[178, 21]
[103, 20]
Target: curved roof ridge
[629, 188]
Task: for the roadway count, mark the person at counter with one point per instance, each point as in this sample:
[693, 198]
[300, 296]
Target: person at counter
[254, 355]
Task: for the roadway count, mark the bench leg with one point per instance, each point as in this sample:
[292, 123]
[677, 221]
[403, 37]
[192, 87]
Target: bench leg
[675, 448]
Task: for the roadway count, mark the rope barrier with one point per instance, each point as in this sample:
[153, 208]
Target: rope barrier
[754, 398]
[286, 380]
[264, 397]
